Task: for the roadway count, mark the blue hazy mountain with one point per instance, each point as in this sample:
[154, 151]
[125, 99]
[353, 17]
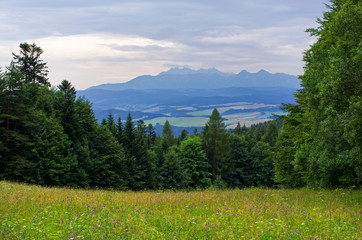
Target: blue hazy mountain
[186, 78]
[187, 97]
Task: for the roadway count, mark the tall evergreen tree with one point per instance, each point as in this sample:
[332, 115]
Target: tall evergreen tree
[182, 136]
[31, 65]
[151, 136]
[14, 119]
[77, 118]
[237, 129]
[112, 124]
[216, 144]
[271, 133]
[129, 134]
[109, 167]
[167, 133]
[65, 109]
[262, 165]
[119, 127]
[144, 175]
[241, 170]
[50, 154]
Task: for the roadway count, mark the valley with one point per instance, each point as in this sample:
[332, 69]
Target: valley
[250, 98]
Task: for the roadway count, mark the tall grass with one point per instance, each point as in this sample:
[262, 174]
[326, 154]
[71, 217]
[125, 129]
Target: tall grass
[32, 212]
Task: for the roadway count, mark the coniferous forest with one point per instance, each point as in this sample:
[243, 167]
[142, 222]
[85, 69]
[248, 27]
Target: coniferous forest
[49, 136]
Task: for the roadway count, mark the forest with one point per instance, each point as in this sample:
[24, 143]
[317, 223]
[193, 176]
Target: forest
[49, 136]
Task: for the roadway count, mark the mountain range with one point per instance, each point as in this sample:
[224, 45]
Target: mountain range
[186, 78]
[186, 97]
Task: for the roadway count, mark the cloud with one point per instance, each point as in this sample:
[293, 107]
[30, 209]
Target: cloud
[85, 46]
[91, 42]
[100, 57]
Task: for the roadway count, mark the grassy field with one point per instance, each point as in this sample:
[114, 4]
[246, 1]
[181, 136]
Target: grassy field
[32, 212]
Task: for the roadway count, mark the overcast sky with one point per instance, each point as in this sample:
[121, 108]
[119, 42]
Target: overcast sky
[90, 42]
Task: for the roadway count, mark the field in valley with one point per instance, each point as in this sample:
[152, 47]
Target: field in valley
[33, 212]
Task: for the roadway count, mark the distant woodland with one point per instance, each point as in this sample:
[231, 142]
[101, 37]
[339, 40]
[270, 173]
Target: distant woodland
[49, 136]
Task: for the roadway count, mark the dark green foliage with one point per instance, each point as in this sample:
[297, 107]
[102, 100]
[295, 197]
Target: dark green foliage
[194, 159]
[144, 175]
[77, 118]
[29, 62]
[271, 134]
[323, 127]
[14, 121]
[119, 126]
[64, 105]
[150, 136]
[262, 165]
[108, 166]
[241, 169]
[238, 130]
[129, 135]
[167, 133]
[216, 144]
[182, 136]
[172, 173]
[112, 125]
[50, 152]
[51, 137]
[291, 136]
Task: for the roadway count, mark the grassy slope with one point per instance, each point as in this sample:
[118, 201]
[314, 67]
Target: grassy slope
[31, 212]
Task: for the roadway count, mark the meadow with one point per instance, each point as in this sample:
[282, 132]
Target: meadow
[33, 212]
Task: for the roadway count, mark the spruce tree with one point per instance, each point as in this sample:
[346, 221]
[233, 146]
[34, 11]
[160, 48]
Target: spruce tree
[29, 62]
[241, 170]
[167, 133]
[216, 144]
[237, 129]
[112, 124]
[14, 111]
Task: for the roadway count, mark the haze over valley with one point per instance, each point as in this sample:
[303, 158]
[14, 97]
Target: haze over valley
[186, 97]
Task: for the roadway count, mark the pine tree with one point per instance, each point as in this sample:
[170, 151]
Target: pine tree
[119, 127]
[167, 133]
[129, 135]
[65, 109]
[262, 165]
[112, 125]
[50, 153]
[14, 119]
[109, 163]
[271, 133]
[151, 136]
[237, 129]
[182, 136]
[216, 144]
[29, 62]
[240, 172]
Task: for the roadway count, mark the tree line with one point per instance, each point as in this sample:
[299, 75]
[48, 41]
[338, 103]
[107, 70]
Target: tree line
[320, 143]
[49, 136]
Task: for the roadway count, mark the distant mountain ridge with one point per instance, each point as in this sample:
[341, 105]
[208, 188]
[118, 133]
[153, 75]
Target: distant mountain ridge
[186, 78]
[186, 97]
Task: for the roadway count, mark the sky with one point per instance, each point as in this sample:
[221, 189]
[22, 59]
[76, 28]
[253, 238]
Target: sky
[91, 42]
